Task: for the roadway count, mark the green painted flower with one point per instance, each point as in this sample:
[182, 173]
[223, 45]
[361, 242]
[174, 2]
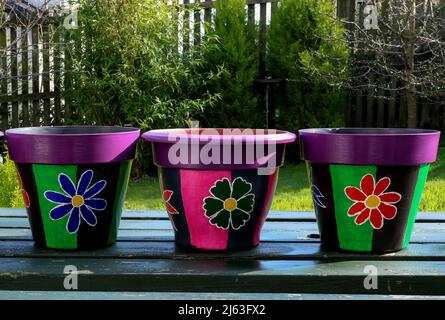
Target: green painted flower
[230, 204]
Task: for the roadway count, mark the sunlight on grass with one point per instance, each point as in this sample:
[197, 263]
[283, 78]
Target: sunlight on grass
[292, 191]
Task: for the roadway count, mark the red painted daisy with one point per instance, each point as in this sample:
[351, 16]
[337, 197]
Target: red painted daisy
[170, 209]
[372, 202]
[25, 195]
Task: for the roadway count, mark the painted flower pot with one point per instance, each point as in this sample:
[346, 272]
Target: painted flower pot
[218, 184]
[367, 184]
[73, 181]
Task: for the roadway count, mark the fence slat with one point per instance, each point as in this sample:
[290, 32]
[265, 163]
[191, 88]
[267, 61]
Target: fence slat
[25, 76]
[57, 74]
[197, 29]
[370, 106]
[186, 28]
[14, 76]
[35, 76]
[392, 104]
[262, 39]
[46, 75]
[4, 82]
[359, 112]
[381, 108]
[402, 113]
[251, 13]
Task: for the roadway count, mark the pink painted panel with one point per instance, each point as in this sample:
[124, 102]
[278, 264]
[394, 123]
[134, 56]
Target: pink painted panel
[195, 186]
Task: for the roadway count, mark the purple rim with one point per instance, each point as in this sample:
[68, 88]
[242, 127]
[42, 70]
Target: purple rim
[257, 149]
[72, 144]
[203, 136]
[363, 146]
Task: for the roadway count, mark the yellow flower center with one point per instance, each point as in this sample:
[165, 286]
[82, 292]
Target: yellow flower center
[230, 204]
[77, 201]
[372, 202]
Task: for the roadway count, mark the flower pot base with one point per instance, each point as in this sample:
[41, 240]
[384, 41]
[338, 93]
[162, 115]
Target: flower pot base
[191, 248]
[54, 194]
[196, 200]
[346, 220]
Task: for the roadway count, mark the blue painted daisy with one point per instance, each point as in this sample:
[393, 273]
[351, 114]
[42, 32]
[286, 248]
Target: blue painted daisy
[77, 202]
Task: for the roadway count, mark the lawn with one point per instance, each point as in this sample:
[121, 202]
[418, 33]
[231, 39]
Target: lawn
[293, 190]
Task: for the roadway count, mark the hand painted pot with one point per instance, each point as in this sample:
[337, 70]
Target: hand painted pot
[73, 181]
[367, 184]
[218, 184]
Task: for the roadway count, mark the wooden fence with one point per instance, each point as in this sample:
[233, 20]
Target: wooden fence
[34, 65]
[31, 92]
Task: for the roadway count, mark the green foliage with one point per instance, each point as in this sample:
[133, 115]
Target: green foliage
[129, 70]
[306, 46]
[11, 196]
[232, 49]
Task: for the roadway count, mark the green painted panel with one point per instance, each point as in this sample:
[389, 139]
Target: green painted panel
[350, 235]
[124, 176]
[47, 178]
[423, 173]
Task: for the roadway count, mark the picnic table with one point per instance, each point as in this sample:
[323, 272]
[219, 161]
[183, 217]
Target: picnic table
[288, 264]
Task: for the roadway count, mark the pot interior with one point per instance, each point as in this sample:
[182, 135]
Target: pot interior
[72, 130]
[218, 134]
[369, 131]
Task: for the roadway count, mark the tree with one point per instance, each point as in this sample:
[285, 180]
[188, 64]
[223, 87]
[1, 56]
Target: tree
[403, 52]
[307, 48]
[234, 52]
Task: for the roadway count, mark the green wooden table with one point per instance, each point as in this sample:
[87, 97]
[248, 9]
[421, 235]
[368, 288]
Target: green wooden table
[146, 264]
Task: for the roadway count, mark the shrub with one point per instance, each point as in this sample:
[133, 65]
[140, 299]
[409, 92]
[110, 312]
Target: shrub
[129, 71]
[306, 47]
[232, 46]
[11, 196]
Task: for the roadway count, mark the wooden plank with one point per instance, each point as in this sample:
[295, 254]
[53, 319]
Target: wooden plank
[46, 75]
[136, 275]
[25, 76]
[35, 76]
[101, 296]
[161, 230]
[283, 216]
[265, 251]
[3, 82]
[14, 76]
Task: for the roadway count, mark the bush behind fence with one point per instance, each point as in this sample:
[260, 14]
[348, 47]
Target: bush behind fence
[36, 63]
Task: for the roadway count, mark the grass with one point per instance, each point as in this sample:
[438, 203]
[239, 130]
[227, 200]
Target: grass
[292, 191]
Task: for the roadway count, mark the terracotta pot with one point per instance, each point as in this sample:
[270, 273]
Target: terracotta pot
[73, 182]
[218, 184]
[367, 184]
